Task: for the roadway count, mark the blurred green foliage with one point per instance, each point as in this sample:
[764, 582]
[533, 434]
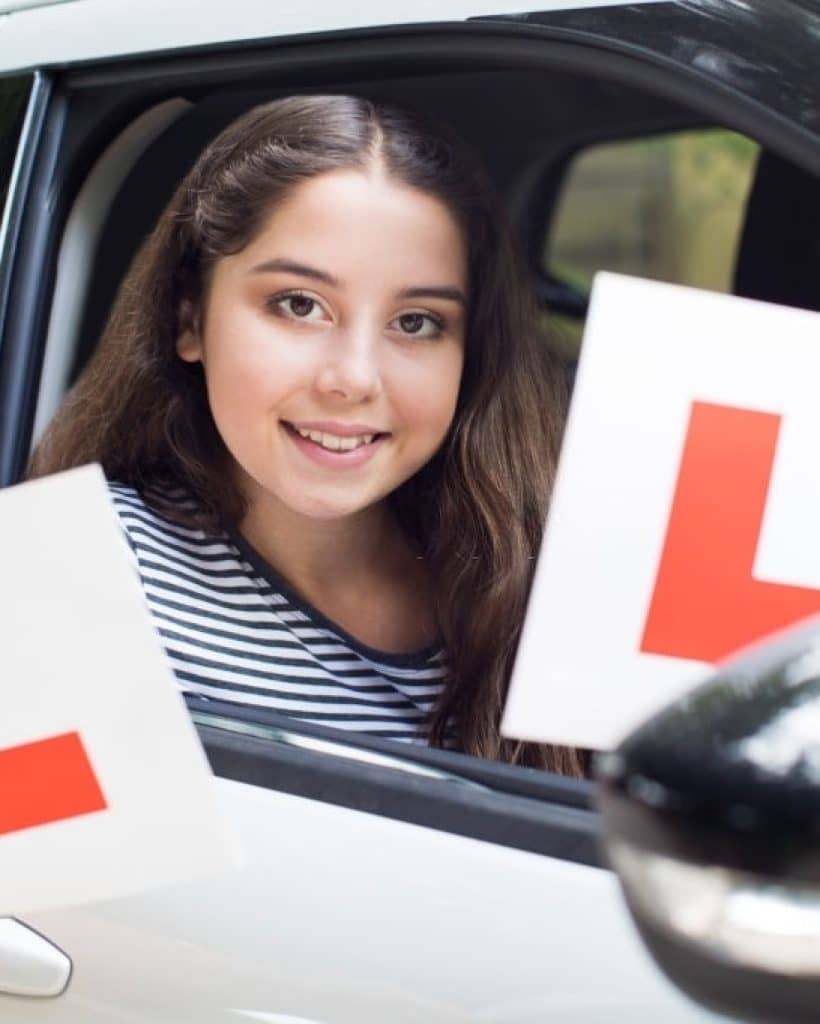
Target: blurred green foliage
[669, 207]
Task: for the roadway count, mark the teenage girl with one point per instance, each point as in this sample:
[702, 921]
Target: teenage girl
[330, 427]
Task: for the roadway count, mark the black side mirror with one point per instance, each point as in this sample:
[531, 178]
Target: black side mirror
[711, 816]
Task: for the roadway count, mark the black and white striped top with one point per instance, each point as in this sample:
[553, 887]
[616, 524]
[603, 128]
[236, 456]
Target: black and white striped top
[234, 630]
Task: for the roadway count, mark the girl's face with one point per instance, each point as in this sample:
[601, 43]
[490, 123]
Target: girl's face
[333, 343]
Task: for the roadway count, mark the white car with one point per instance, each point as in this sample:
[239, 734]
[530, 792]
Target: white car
[676, 140]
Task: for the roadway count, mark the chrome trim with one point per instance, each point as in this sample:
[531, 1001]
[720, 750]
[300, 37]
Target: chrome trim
[320, 746]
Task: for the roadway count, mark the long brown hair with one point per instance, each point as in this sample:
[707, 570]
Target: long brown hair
[475, 510]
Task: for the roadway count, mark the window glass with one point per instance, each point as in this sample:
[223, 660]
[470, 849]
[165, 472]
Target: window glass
[13, 95]
[669, 207]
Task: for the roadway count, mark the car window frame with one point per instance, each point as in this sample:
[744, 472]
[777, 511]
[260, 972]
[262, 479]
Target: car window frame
[510, 807]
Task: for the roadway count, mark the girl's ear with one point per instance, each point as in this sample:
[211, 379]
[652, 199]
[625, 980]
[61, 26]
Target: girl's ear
[188, 343]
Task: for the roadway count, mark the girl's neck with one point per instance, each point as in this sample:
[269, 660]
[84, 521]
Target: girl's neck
[359, 570]
[323, 555]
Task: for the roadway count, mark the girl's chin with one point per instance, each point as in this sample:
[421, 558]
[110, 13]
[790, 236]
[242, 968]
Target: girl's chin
[319, 508]
[323, 511]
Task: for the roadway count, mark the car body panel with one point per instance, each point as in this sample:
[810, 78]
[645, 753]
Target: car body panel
[98, 29]
[341, 917]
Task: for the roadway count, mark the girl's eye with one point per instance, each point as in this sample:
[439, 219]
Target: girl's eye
[296, 306]
[420, 325]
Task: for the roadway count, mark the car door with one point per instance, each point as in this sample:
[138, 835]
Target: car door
[370, 891]
[378, 883]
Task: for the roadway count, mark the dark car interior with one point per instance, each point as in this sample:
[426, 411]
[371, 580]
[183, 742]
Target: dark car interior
[779, 253]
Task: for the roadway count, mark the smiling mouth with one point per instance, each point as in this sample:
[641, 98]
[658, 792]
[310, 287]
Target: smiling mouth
[333, 442]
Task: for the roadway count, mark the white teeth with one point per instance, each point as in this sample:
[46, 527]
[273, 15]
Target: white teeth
[333, 442]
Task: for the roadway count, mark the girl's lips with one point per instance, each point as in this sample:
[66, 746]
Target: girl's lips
[335, 460]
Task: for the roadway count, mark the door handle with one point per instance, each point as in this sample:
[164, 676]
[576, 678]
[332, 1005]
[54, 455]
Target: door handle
[30, 965]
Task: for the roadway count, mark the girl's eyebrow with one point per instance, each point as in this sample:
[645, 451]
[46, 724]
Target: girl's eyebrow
[433, 292]
[287, 266]
[292, 267]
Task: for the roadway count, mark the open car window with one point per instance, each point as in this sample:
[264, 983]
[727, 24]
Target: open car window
[123, 134]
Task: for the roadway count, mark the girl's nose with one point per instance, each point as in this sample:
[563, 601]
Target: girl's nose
[350, 364]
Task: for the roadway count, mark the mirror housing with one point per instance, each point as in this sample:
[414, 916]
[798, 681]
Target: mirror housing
[711, 814]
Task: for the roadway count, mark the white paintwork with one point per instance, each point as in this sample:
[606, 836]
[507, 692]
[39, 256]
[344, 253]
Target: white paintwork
[341, 917]
[89, 29]
[8, 6]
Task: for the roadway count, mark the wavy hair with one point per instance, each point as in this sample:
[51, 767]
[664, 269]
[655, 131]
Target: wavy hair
[475, 511]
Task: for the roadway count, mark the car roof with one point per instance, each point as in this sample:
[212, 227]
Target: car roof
[38, 33]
